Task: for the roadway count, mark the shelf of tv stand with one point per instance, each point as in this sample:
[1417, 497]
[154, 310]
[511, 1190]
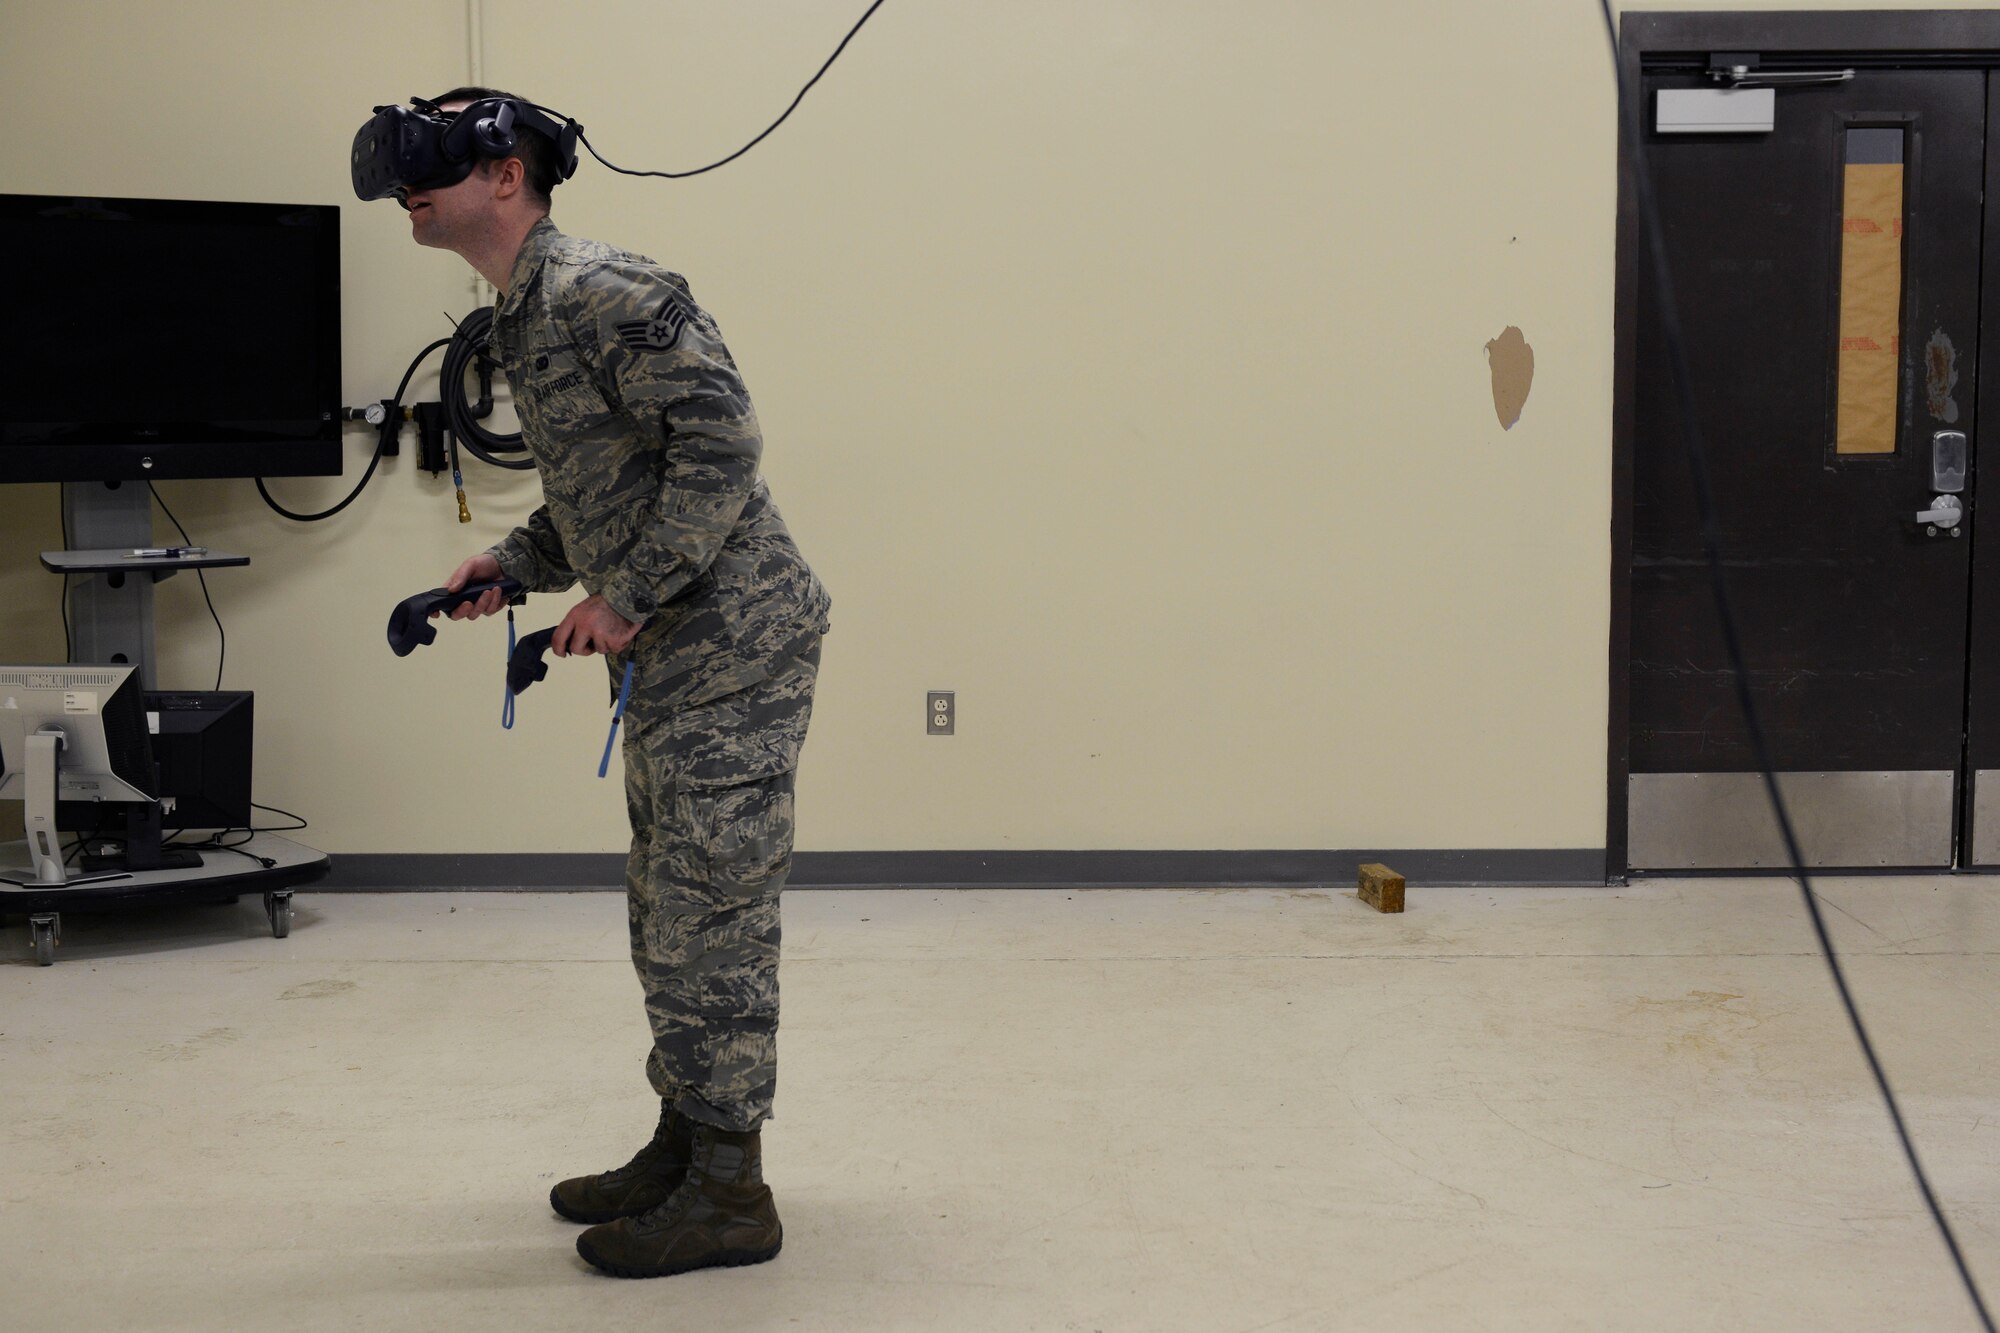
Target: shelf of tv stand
[221, 874]
[116, 561]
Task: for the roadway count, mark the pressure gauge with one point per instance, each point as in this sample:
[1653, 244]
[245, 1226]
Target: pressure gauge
[375, 414]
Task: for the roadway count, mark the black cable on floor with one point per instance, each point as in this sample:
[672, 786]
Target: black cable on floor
[1711, 536]
[222, 654]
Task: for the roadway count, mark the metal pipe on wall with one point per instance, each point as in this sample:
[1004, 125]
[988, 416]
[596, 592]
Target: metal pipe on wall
[475, 68]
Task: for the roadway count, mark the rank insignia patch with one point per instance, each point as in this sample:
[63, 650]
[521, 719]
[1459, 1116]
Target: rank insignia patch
[660, 332]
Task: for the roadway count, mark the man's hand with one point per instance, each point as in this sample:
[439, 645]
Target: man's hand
[481, 568]
[593, 627]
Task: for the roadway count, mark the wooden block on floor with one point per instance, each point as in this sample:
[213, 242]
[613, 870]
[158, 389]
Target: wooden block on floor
[1381, 888]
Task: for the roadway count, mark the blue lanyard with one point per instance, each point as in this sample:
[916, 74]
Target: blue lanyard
[617, 715]
[507, 703]
[624, 693]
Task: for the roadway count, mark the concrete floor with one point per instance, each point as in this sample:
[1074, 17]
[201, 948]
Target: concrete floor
[1506, 1109]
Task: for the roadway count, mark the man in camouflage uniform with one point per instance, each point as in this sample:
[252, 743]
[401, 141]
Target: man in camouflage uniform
[647, 447]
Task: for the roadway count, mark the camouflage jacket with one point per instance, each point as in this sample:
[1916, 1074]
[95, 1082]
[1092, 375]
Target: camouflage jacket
[647, 448]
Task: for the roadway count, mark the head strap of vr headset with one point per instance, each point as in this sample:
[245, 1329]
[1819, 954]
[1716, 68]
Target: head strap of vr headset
[487, 128]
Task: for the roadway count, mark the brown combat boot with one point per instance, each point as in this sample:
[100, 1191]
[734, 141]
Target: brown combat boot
[721, 1216]
[642, 1183]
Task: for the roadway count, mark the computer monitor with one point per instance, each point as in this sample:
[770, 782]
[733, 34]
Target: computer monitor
[202, 742]
[75, 733]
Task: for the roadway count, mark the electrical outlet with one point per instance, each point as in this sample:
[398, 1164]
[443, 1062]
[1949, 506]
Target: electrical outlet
[941, 706]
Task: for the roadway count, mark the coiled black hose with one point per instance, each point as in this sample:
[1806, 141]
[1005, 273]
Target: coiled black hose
[466, 350]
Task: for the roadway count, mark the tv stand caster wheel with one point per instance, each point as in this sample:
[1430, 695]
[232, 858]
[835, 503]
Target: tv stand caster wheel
[47, 930]
[278, 907]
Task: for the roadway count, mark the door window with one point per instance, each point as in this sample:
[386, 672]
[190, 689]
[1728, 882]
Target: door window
[1871, 293]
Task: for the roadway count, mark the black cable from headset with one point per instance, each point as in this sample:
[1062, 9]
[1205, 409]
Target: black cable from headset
[682, 175]
[381, 442]
[222, 652]
[1683, 386]
[468, 344]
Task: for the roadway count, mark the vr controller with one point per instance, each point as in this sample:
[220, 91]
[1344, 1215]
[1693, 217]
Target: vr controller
[410, 623]
[419, 147]
[409, 627]
[526, 666]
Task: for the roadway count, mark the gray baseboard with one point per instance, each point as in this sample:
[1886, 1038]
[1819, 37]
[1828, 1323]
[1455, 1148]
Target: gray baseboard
[996, 870]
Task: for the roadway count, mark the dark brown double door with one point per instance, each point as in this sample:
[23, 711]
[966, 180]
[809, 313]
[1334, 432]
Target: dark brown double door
[1828, 275]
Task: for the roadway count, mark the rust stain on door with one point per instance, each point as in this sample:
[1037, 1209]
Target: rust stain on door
[1512, 363]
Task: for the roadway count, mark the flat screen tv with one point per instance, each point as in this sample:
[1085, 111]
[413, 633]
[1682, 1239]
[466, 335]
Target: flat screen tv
[150, 338]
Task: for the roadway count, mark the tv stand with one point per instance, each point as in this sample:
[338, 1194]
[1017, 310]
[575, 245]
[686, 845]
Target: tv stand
[111, 617]
[111, 604]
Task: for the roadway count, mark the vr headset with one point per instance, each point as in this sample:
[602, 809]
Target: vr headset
[419, 147]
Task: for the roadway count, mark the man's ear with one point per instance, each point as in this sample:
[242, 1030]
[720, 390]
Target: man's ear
[511, 175]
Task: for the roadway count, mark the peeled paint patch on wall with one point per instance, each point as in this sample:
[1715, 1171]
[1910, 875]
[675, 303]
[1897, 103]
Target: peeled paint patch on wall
[1512, 363]
[1940, 378]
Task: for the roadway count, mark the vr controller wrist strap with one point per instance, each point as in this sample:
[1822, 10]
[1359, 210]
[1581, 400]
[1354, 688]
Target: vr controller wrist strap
[624, 693]
[506, 686]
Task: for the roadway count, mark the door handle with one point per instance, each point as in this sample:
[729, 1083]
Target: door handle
[1945, 512]
[1948, 461]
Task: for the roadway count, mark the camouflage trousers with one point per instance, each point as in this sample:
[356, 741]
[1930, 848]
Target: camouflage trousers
[709, 789]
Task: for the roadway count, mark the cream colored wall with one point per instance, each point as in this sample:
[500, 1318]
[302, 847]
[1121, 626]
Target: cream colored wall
[1121, 368]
